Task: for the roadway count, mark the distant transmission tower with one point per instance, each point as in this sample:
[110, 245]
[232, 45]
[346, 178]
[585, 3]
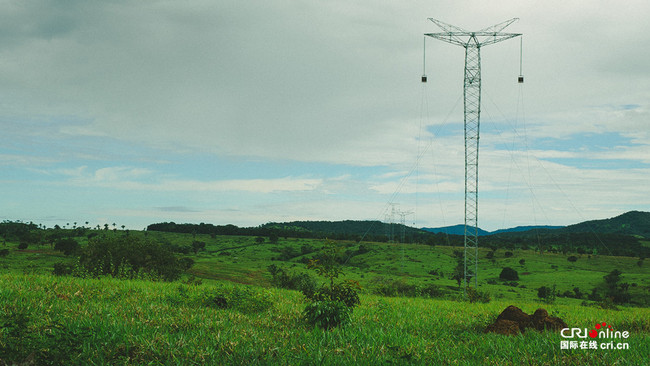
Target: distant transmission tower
[472, 42]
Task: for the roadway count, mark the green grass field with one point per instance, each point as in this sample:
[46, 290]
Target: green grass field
[106, 321]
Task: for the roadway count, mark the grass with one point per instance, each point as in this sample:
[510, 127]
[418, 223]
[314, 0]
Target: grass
[76, 321]
[109, 321]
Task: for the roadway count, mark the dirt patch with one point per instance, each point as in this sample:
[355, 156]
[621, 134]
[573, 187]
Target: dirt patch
[513, 321]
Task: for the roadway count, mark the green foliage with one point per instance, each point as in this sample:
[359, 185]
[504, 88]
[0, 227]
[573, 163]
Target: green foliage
[68, 246]
[293, 281]
[614, 289]
[474, 295]
[23, 245]
[116, 322]
[572, 258]
[240, 298]
[547, 294]
[130, 257]
[400, 288]
[198, 246]
[331, 304]
[344, 292]
[62, 269]
[509, 274]
[4, 252]
[21, 343]
[327, 314]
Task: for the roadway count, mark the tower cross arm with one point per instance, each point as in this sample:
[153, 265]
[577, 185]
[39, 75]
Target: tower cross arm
[459, 36]
[474, 38]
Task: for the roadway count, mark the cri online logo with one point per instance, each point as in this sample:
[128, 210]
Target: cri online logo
[601, 330]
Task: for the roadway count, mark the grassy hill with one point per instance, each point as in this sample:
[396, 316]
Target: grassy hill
[72, 320]
[636, 223]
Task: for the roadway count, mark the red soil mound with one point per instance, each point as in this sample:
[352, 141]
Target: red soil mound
[513, 321]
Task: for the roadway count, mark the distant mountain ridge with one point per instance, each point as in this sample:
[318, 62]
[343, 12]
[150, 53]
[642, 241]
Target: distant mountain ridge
[635, 223]
[453, 230]
[460, 229]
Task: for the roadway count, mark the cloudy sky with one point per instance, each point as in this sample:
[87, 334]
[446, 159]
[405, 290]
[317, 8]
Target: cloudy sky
[245, 112]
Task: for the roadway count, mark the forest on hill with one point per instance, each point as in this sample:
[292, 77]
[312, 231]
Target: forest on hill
[624, 235]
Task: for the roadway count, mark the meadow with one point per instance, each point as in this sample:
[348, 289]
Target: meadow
[101, 321]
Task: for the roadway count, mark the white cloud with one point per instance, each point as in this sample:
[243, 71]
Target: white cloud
[325, 84]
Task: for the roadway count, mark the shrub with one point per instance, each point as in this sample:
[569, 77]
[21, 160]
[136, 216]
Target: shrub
[327, 314]
[4, 252]
[198, 246]
[509, 274]
[62, 269]
[547, 294]
[333, 302]
[508, 254]
[474, 295]
[345, 292]
[293, 281]
[23, 245]
[130, 257]
[431, 290]
[239, 298]
[572, 258]
[68, 246]
[577, 293]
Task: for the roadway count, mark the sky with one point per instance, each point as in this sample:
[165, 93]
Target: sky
[248, 112]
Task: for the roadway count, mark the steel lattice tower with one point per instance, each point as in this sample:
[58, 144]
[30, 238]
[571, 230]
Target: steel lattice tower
[472, 42]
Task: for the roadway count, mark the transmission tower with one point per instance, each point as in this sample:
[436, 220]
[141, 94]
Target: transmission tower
[472, 42]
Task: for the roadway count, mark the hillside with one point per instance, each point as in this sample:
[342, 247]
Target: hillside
[636, 223]
[349, 229]
[453, 230]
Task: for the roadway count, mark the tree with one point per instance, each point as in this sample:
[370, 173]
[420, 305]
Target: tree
[333, 302]
[614, 289]
[130, 257]
[459, 270]
[509, 274]
[198, 246]
[546, 293]
[67, 246]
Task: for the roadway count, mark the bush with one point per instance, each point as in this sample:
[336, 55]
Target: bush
[68, 246]
[474, 295]
[327, 314]
[345, 292]
[62, 269]
[572, 258]
[508, 254]
[333, 302]
[509, 274]
[293, 281]
[431, 291]
[242, 299]
[4, 252]
[23, 245]
[547, 294]
[131, 257]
